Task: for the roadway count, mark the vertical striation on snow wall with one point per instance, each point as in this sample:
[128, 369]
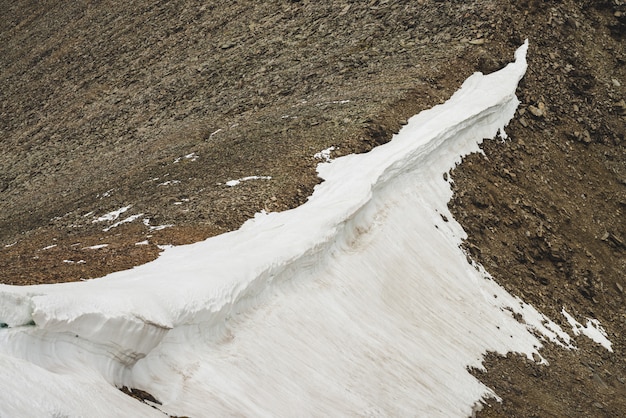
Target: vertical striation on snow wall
[358, 302]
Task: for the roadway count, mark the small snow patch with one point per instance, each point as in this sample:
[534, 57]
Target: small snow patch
[160, 227]
[340, 102]
[49, 246]
[113, 215]
[593, 330]
[96, 247]
[232, 183]
[169, 183]
[191, 157]
[325, 154]
[215, 133]
[146, 222]
[123, 221]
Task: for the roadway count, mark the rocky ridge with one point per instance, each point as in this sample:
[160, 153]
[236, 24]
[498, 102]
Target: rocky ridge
[157, 105]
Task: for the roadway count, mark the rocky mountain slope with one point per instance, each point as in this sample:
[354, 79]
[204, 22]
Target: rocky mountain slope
[156, 106]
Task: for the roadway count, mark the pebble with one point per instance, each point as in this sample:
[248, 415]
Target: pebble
[616, 82]
[513, 176]
[227, 45]
[539, 110]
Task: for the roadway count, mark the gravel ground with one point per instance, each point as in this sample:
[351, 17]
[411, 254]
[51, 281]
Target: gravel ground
[155, 106]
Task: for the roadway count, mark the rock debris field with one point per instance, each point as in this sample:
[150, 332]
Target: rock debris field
[130, 125]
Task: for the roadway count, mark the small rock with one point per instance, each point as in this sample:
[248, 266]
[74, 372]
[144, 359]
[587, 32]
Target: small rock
[598, 405]
[523, 122]
[480, 41]
[619, 287]
[510, 174]
[536, 357]
[616, 82]
[542, 107]
[227, 45]
[538, 111]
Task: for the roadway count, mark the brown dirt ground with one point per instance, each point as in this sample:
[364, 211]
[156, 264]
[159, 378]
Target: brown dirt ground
[545, 211]
[101, 102]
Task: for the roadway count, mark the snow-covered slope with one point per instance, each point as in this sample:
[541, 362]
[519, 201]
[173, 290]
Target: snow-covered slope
[358, 302]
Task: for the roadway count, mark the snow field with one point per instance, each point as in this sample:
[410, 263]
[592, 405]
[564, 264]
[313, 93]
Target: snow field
[359, 302]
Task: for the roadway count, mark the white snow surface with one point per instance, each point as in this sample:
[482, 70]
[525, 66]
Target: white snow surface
[232, 183]
[96, 247]
[123, 221]
[113, 215]
[359, 302]
[324, 154]
[593, 330]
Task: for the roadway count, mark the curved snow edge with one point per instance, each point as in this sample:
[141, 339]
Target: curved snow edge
[130, 312]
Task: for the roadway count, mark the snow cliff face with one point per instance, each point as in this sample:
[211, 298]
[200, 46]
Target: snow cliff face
[360, 301]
